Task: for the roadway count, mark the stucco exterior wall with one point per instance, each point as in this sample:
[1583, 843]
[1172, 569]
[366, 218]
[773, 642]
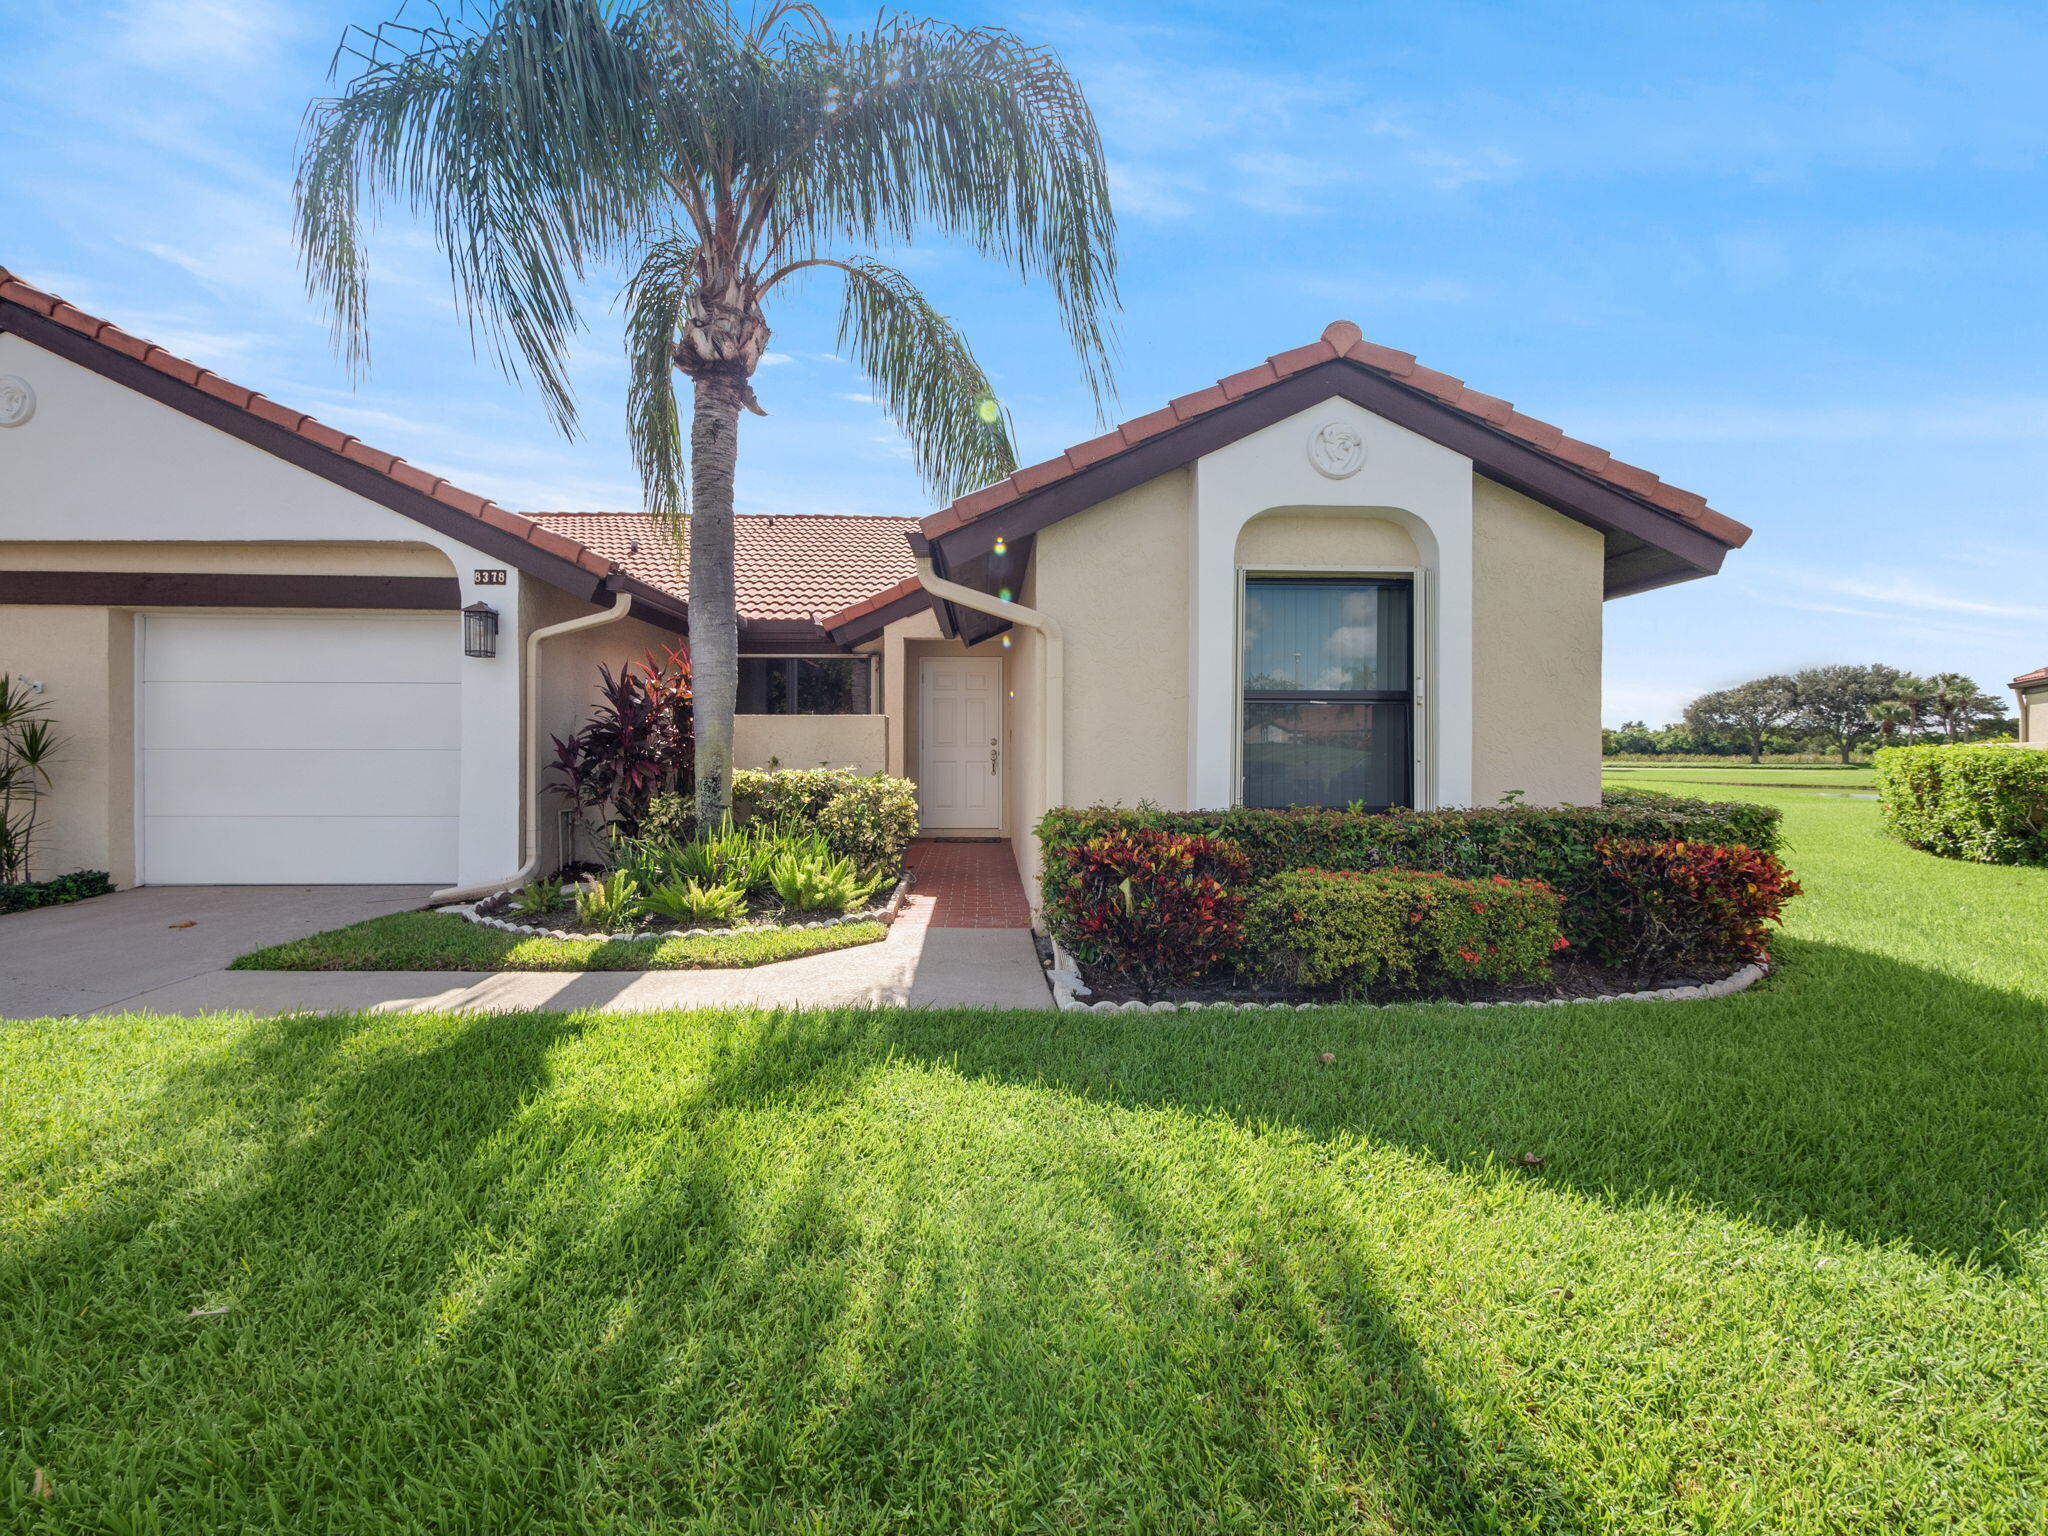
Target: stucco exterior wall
[859, 742]
[2033, 717]
[1537, 591]
[1116, 579]
[84, 658]
[122, 475]
[1332, 537]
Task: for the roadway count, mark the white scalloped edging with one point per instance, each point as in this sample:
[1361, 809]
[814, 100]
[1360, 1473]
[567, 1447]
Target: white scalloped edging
[1069, 990]
[885, 913]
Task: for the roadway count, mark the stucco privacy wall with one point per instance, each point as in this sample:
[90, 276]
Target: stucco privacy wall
[107, 465]
[1537, 582]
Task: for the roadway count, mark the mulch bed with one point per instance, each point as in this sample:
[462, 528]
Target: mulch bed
[760, 914]
[1567, 982]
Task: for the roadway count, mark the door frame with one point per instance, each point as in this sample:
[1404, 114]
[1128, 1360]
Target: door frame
[1002, 822]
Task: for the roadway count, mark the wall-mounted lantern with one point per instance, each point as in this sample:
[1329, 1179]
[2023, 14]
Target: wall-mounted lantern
[479, 630]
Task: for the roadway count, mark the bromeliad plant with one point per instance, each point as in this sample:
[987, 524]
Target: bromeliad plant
[28, 745]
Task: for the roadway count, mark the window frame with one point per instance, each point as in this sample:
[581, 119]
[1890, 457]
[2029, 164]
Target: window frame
[874, 681]
[1419, 795]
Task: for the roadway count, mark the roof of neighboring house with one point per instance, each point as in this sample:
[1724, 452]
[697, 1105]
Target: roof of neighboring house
[2034, 679]
[786, 566]
[1633, 506]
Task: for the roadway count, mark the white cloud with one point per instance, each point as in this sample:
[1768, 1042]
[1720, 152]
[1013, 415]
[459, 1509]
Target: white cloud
[209, 36]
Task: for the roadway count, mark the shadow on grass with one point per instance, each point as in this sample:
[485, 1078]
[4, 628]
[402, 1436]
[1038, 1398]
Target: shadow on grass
[489, 1273]
[1887, 1102]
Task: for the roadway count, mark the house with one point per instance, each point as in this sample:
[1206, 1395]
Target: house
[281, 655]
[2031, 724]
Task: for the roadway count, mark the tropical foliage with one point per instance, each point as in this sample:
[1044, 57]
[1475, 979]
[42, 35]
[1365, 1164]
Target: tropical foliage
[1837, 709]
[709, 161]
[636, 745]
[28, 745]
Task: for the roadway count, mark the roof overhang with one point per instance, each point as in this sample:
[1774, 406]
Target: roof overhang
[1647, 546]
[543, 555]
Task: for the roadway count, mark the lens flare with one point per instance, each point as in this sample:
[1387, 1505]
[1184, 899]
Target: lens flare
[988, 411]
[1002, 546]
[1003, 595]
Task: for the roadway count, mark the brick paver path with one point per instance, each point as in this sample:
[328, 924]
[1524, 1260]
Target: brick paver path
[972, 885]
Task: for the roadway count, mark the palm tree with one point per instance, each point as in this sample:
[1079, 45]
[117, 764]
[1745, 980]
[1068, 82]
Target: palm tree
[709, 162]
[1914, 692]
[1956, 700]
[1890, 717]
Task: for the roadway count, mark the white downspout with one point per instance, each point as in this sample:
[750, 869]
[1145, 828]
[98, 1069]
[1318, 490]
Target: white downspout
[622, 604]
[1052, 667]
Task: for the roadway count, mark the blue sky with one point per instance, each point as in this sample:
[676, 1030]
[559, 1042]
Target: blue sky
[1790, 256]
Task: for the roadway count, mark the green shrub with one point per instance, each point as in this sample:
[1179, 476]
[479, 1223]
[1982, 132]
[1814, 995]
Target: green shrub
[691, 901]
[812, 882]
[868, 818]
[670, 817]
[1521, 842]
[610, 904]
[1986, 804]
[536, 898]
[1405, 929]
[23, 895]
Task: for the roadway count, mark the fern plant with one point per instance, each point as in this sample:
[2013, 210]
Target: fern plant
[536, 899]
[692, 901]
[609, 904]
[816, 882]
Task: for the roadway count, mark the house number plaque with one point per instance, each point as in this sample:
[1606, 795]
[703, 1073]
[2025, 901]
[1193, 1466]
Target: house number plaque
[489, 577]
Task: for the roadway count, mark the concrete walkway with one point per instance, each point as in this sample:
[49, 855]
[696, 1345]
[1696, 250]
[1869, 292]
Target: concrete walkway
[93, 955]
[918, 965]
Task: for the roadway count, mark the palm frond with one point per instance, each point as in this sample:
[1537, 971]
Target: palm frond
[926, 377]
[518, 136]
[656, 299]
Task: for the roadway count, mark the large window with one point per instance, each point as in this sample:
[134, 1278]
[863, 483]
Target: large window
[806, 685]
[1329, 681]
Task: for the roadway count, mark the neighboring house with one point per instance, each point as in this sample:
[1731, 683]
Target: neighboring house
[1336, 578]
[2031, 689]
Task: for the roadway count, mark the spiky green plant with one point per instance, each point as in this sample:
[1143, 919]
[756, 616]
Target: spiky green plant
[28, 745]
[692, 901]
[537, 898]
[717, 159]
[817, 882]
[610, 904]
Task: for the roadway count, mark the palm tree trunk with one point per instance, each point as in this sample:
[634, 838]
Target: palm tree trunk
[714, 621]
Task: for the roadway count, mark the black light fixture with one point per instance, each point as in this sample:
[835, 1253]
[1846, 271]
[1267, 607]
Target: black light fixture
[479, 630]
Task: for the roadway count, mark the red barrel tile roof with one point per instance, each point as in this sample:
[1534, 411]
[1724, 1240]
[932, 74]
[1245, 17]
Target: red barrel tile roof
[1342, 339]
[787, 566]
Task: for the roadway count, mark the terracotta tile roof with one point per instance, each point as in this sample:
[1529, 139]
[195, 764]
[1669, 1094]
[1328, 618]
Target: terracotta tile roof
[1343, 340]
[908, 587]
[787, 566]
[2028, 679]
[341, 444]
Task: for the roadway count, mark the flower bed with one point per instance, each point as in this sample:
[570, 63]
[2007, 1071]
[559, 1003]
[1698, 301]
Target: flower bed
[496, 912]
[1645, 893]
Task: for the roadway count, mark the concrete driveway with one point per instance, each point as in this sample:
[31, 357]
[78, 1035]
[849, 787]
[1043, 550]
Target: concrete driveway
[94, 955]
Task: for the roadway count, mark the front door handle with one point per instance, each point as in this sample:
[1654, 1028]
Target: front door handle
[994, 753]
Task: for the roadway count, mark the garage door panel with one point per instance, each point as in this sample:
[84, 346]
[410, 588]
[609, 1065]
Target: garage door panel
[299, 748]
[296, 781]
[281, 850]
[312, 648]
[425, 716]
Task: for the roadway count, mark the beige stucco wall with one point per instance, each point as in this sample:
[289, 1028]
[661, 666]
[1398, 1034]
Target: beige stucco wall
[1116, 579]
[84, 658]
[2033, 717]
[1537, 591]
[859, 742]
[1338, 537]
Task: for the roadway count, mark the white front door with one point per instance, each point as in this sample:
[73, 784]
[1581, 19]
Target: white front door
[960, 735]
[299, 748]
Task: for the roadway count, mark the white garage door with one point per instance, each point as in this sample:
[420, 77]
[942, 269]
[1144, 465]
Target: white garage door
[289, 749]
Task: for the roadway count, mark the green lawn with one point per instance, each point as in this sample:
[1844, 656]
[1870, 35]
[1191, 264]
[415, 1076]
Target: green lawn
[435, 941]
[1781, 1269]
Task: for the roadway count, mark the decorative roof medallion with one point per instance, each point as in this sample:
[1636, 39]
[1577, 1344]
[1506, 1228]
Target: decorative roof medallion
[1336, 449]
[17, 400]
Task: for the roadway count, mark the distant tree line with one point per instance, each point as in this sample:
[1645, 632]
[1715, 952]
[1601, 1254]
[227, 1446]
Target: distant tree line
[1822, 709]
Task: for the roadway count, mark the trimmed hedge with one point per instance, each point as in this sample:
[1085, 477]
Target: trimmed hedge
[1351, 931]
[24, 895]
[1987, 804]
[1556, 845]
